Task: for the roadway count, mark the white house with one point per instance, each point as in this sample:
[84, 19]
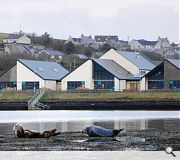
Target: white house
[162, 43]
[133, 62]
[29, 75]
[20, 39]
[99, 74]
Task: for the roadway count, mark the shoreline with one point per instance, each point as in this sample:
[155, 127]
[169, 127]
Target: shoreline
[97, 105]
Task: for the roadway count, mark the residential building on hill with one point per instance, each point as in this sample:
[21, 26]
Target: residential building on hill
[20, 39]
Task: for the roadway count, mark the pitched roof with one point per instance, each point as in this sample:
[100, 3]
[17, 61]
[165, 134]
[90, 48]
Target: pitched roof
[115, 69]
[175, 62]
[46, 70]
[144, 42]
[14, 36]
[102, 38]
[81, 56]
[137, 59]
[54, 52]
[77, 40]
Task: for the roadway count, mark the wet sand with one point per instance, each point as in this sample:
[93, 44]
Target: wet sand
[144, 140]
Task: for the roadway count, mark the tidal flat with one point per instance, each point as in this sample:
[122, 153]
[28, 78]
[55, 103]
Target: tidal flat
[144, 140]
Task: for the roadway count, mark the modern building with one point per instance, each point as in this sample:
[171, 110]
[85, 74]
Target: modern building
[99, 74]
[29, 75]
[164, 76]
[133, 62]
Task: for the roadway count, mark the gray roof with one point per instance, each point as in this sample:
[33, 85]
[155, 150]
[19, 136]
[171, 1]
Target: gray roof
[175, 62]
[144, 42]
[81, 56]
[101, 38]
[138, 60]
[115, 69]
[14, 36]
[53, 52]
[46, 70]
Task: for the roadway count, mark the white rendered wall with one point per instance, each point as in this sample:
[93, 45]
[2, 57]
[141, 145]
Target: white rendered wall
[143, 84]
[24, 40]
[82, 73]
[113, 55]
[116, 84]
[122, 85]
[25, 74]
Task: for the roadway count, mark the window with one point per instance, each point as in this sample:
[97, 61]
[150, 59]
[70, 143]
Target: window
[174, 84]
[75, 84]
[30, 85]
[4, 85]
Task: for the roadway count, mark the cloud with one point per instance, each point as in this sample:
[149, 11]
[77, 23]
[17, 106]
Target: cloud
[136, 18]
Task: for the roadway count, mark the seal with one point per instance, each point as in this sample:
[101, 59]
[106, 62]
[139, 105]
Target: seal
[97, 131]
[21, 133]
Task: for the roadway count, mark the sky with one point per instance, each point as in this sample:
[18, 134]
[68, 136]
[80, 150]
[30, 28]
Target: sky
[136, 19]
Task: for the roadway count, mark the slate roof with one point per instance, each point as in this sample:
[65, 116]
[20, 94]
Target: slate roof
[144, 42]
[105, 38]
[53, 52]
[14, 36]
[175, 62]
[115, 69]
[46, 70]
[138, 60]
[81, 56]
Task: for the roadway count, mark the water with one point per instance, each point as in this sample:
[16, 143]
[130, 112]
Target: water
[74, 121]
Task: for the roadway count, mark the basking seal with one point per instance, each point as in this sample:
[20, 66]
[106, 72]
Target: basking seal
[97, 131]
[21, 133]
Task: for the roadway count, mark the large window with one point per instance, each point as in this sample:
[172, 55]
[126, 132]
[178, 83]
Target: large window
[8, 85]
[133, 85]
[30, 85]
[174, 84]
[75, 84]
[102, 78]
[156, 79]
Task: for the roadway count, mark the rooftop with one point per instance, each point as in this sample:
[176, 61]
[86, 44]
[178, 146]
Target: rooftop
[46, 70]
[175, 62]
[138, 60]
[115, 69]
[144, 42]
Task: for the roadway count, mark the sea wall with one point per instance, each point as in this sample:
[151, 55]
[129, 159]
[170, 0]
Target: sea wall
[96, 105]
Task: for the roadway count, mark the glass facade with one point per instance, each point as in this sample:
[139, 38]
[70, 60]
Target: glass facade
[30, 85]
[156, 79]
[75, 84]
[174, 84]
[8, 85]
[102, 78]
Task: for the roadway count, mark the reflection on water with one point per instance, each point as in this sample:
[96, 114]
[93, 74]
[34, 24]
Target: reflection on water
[74, 126]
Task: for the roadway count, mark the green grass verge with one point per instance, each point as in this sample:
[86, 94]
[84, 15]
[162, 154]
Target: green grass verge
[15, 96]
[112, 96]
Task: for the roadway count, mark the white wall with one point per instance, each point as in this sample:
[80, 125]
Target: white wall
[113, 55]
[82, 73]
[143, 84]
[119, 85]
[25, 74]
[24, 40]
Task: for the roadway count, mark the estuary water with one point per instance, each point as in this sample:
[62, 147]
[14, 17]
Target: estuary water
[74, 121]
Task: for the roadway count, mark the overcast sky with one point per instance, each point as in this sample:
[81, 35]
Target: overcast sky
[137, 19]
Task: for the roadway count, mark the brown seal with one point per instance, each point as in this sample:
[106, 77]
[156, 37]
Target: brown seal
[21, 133]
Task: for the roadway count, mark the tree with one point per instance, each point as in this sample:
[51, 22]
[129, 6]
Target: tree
[69, 48]
[106, 47]
[46, 38]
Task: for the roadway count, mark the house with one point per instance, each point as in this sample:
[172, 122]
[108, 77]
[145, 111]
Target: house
[75, 41]
[29, 75]
[133, 62]
[145, 45]
[17, 38]
[162, 43]
[142, 45]
[54, 54]
[164, 76]
[102, 39]
[98, 74]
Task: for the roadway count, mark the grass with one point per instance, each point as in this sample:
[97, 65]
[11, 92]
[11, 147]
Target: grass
[113, 96]
[16, 96]
[12, 96]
